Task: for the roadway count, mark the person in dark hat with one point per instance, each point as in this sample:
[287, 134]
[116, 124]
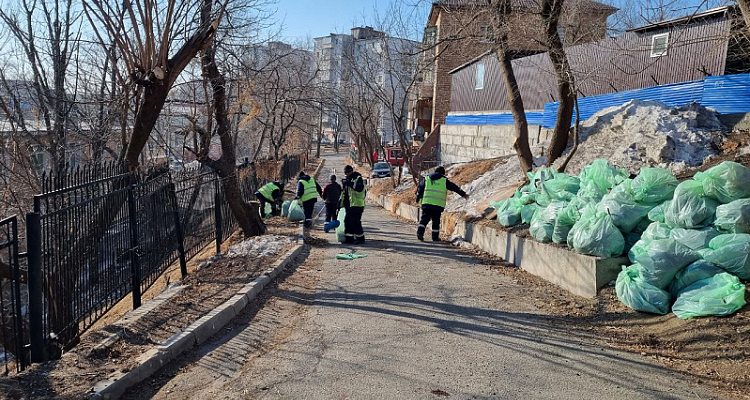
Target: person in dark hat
[307, 194]
[432, 194]
[353, 201]
[332, 195]
[272, 193]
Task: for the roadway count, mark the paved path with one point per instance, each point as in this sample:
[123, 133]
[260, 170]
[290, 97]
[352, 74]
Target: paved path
[410, 321]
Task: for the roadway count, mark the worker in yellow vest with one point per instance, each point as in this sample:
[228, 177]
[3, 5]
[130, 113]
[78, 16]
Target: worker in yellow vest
[432, 194]
[272, 193]
[353, 201]
[307, 194]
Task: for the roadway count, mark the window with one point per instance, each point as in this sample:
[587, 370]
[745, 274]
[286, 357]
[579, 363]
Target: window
[659, 45]
[486, 34]
[38, 158]
[479, 83]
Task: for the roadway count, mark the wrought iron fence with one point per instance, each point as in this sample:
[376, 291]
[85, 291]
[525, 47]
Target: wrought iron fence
[14, 337]
[92, 242]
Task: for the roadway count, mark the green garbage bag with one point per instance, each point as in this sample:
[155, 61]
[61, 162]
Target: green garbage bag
[509, 211]
[642, 226]
[296, 213]
[596, 234]
[655, 231]
[657, 213]
[662, 260]
[341, 229]
[566, 218]
[639, 295]
[696, 239]
[720, 295]
[731, 252]
[597, 178]
[543, 224]
[690, 208]
[725, 182]
[285, 208]
[654, 185]
[528, 211]
[560, 188]
[734, 217]
[621, 205]
[694, 272]
[267, 210]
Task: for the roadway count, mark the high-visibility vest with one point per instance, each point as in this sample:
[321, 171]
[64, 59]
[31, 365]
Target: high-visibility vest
[357, 199]
[310, 190]
[435, 192]
[267, 190]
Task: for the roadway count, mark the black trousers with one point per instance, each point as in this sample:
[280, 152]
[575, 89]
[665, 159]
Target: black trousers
[263, 200]
[353, 223]
[331, 211]
[309, 207]
[430, 214]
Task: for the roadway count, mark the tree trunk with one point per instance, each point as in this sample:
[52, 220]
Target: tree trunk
[521, 140]
[247, 215]
[551, 10]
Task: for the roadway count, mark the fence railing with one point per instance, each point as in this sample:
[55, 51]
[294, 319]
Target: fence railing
[98, 235]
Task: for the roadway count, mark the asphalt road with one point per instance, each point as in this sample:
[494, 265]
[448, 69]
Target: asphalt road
[410, 321]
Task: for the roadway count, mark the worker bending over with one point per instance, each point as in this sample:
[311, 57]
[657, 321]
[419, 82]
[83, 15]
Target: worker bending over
[272, 193]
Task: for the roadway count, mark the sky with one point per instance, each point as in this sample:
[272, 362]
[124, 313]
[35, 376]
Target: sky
[315, 18]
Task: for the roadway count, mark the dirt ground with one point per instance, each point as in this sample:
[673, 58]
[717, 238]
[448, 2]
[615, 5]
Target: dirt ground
[208, 286]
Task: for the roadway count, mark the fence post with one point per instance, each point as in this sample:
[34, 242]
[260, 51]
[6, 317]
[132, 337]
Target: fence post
[178, 230]
[217, 214]
[135, 267]
[36, 308]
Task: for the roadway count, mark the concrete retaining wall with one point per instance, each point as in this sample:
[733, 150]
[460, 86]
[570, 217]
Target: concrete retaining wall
[577, 273]
[463, 143]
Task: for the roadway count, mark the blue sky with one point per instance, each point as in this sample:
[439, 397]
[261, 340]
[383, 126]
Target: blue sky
[313, 18]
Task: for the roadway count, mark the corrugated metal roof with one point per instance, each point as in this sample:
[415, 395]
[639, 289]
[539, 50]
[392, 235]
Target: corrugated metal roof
[532, 118]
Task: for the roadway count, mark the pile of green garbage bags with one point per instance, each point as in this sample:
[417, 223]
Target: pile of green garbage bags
[688, 242]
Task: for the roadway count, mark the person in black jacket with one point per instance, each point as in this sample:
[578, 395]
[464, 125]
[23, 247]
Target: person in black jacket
[331, 195]
[432, 194]
[306, 194]
[271, 193]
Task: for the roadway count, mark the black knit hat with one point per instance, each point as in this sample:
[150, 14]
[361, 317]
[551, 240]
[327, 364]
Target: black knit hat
[333, 178]
[440, 170]
[301, 174]
[348, 169]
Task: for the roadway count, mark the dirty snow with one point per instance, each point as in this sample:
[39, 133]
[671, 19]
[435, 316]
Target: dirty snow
[647, 133]
[263, 246]
[485, 186]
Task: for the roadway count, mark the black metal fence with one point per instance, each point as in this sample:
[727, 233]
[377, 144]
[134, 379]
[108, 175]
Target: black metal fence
[99, 234]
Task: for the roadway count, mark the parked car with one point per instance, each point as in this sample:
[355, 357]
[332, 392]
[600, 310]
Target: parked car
[381, 170]
[325, 141]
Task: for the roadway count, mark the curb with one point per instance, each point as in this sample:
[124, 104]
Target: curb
[195, 334]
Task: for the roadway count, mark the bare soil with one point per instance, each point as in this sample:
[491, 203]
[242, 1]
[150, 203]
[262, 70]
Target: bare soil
[467, 173]
[74, 375]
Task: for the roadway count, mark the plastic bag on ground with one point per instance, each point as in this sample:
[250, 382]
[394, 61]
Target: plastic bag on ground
[694, 272]
[657, 213]
[731, 252]
[296, 213]
[725, 182]
[639, 295]
[543, 223]
[285, 208]
[597, 178]
[662, 259]
[621, 205]
[696, 239]
[720, 295]
[654, 185]
[566, 218]
[267, 210]
[690, 208]
[596, 234]
[340, 230]
[655, 231]
[734, 217]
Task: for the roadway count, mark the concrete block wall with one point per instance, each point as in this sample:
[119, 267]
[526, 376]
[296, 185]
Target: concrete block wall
[463, 143]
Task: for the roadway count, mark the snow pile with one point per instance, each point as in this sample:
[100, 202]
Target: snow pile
[260, 246]
[646, 134]
[485, 186]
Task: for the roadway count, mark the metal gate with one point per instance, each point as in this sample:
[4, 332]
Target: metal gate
[14, 332]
